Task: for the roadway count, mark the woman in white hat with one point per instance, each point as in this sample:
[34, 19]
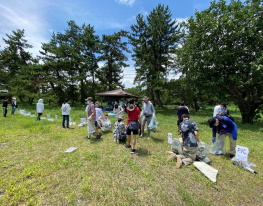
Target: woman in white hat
[14, 105]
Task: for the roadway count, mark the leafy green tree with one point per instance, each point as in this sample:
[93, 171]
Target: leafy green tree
[18, 67]
[70, 62]
[113, 48]
[223, 53]
[154, 42]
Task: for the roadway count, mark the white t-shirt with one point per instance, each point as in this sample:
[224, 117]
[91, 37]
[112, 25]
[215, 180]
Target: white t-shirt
[65, 109]
[217, 110]
[99, 113]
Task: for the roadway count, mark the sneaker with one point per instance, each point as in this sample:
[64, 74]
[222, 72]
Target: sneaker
[127, 146]
[98, 136]
[87, 137]
[133, 151]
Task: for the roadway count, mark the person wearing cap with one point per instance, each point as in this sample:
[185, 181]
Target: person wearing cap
[133, 115]
[91, 116]
[40, 108]
[14, 105]
[190, 136]
[148, 112]
[65, 113]
[224, 126]
[182, 109]
[5, 107]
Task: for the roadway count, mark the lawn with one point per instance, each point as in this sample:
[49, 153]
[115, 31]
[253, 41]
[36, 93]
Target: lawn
[35, 170]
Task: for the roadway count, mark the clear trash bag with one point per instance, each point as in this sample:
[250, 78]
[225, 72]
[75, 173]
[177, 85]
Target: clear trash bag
[202, 152]
[176, 146]
[153, 124]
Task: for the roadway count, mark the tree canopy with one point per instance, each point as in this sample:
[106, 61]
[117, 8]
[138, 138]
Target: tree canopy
[223, 53]
[218, 52]
[154, 41]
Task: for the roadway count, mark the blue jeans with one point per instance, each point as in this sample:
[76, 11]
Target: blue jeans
[65, 118]
[13, 110]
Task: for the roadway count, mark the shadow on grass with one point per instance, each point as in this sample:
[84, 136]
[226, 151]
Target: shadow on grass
[93, 140]
[143, 152]
[157, 140]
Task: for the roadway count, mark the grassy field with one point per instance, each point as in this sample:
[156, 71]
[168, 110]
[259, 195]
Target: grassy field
[36, 171]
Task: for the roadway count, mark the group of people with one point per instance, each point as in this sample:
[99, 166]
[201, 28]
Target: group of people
[137, 119]
[221, 123]
[13, 106]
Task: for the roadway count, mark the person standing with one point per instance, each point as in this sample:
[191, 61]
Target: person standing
[133, 119]
[5, 107]
[14, 105]
[224, 126]
[218, 110]
[65, 113]
[180, 111]
[40, 108]
[190, 136]
[91, 116]
[148, 112]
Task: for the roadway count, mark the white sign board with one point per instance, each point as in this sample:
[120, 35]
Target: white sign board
[242, 153]
[170, 138]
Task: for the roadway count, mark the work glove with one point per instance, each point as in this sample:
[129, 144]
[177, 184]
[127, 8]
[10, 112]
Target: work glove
[89, 118]
[213, 139]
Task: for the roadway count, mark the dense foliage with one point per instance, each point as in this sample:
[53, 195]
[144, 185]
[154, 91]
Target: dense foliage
[154, 42]
[223, 53]
[218, 52]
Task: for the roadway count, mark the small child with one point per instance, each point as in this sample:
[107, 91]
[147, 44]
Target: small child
[104, 123]
[119, 131]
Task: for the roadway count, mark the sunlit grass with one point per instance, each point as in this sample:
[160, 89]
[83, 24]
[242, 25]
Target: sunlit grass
[36, 171]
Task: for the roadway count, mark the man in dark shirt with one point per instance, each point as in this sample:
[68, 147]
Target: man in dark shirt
[5, 105]
[180, 111]
[189, 133]
[223, 126]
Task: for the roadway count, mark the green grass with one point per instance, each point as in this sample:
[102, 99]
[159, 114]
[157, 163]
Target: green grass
[36, 171]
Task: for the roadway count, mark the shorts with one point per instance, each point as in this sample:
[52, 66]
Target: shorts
[128, 131]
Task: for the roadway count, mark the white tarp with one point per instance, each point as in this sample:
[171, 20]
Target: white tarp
[207, 170]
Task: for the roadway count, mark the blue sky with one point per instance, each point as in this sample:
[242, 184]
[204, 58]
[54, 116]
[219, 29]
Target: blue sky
[40, 18]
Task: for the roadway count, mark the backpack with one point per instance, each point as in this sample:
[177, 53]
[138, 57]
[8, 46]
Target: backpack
[120, 132]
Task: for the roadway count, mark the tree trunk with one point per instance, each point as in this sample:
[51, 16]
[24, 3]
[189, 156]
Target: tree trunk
[30, 100]
[248, 112]
[158, 98]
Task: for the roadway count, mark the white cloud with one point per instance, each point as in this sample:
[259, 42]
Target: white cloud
[126, 2]
[180, 20]
[26, 16]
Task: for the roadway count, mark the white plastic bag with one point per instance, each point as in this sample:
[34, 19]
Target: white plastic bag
[90, 127]
[176, 146]
[153, 124]
[202, 152]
